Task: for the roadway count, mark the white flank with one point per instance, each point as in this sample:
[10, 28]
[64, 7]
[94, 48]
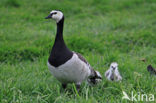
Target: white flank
[73, 71]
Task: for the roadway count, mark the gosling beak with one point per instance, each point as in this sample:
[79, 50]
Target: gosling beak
[48, 17]
[113, 68]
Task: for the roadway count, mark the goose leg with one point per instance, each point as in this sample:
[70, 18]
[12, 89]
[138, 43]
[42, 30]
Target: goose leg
[78, 86]
[64, 86]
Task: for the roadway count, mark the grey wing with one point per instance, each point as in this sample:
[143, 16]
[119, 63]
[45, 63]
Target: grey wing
[84, 60]
[95, 76]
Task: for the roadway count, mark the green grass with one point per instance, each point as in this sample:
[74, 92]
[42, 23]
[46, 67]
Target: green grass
[103, 31]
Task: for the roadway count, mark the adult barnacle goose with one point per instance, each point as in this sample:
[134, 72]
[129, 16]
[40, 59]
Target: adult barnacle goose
[65, 65]
[151, 70]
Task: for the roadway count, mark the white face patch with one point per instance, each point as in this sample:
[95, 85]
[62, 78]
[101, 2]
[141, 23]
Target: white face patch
[57, 15]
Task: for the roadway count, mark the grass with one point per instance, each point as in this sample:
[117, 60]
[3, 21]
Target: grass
[103, 31]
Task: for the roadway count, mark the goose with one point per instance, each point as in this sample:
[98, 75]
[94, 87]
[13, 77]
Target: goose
[112, 73]
[65, 65]
[151, 70]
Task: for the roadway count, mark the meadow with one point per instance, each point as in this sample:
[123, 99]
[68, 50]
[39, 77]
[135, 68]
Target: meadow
[103, 31]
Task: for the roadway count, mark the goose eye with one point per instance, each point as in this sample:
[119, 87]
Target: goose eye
[54, 12]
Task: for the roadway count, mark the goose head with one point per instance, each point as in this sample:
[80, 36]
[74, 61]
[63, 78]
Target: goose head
[55, 15]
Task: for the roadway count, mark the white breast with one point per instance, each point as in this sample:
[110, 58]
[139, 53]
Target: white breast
[116, 75]
[74, 70]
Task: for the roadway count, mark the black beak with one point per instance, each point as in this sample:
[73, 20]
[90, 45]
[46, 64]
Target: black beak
[113, 68]
[48, 17]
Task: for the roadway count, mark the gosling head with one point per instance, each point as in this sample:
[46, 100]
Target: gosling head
[55, 15]
[114, 66]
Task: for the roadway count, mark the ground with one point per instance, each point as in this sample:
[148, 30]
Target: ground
[103, 31]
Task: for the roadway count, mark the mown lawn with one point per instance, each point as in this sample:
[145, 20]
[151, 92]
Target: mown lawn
[103, 31]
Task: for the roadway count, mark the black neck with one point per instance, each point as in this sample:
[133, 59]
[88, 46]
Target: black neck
[60, 53]
[59, 34]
